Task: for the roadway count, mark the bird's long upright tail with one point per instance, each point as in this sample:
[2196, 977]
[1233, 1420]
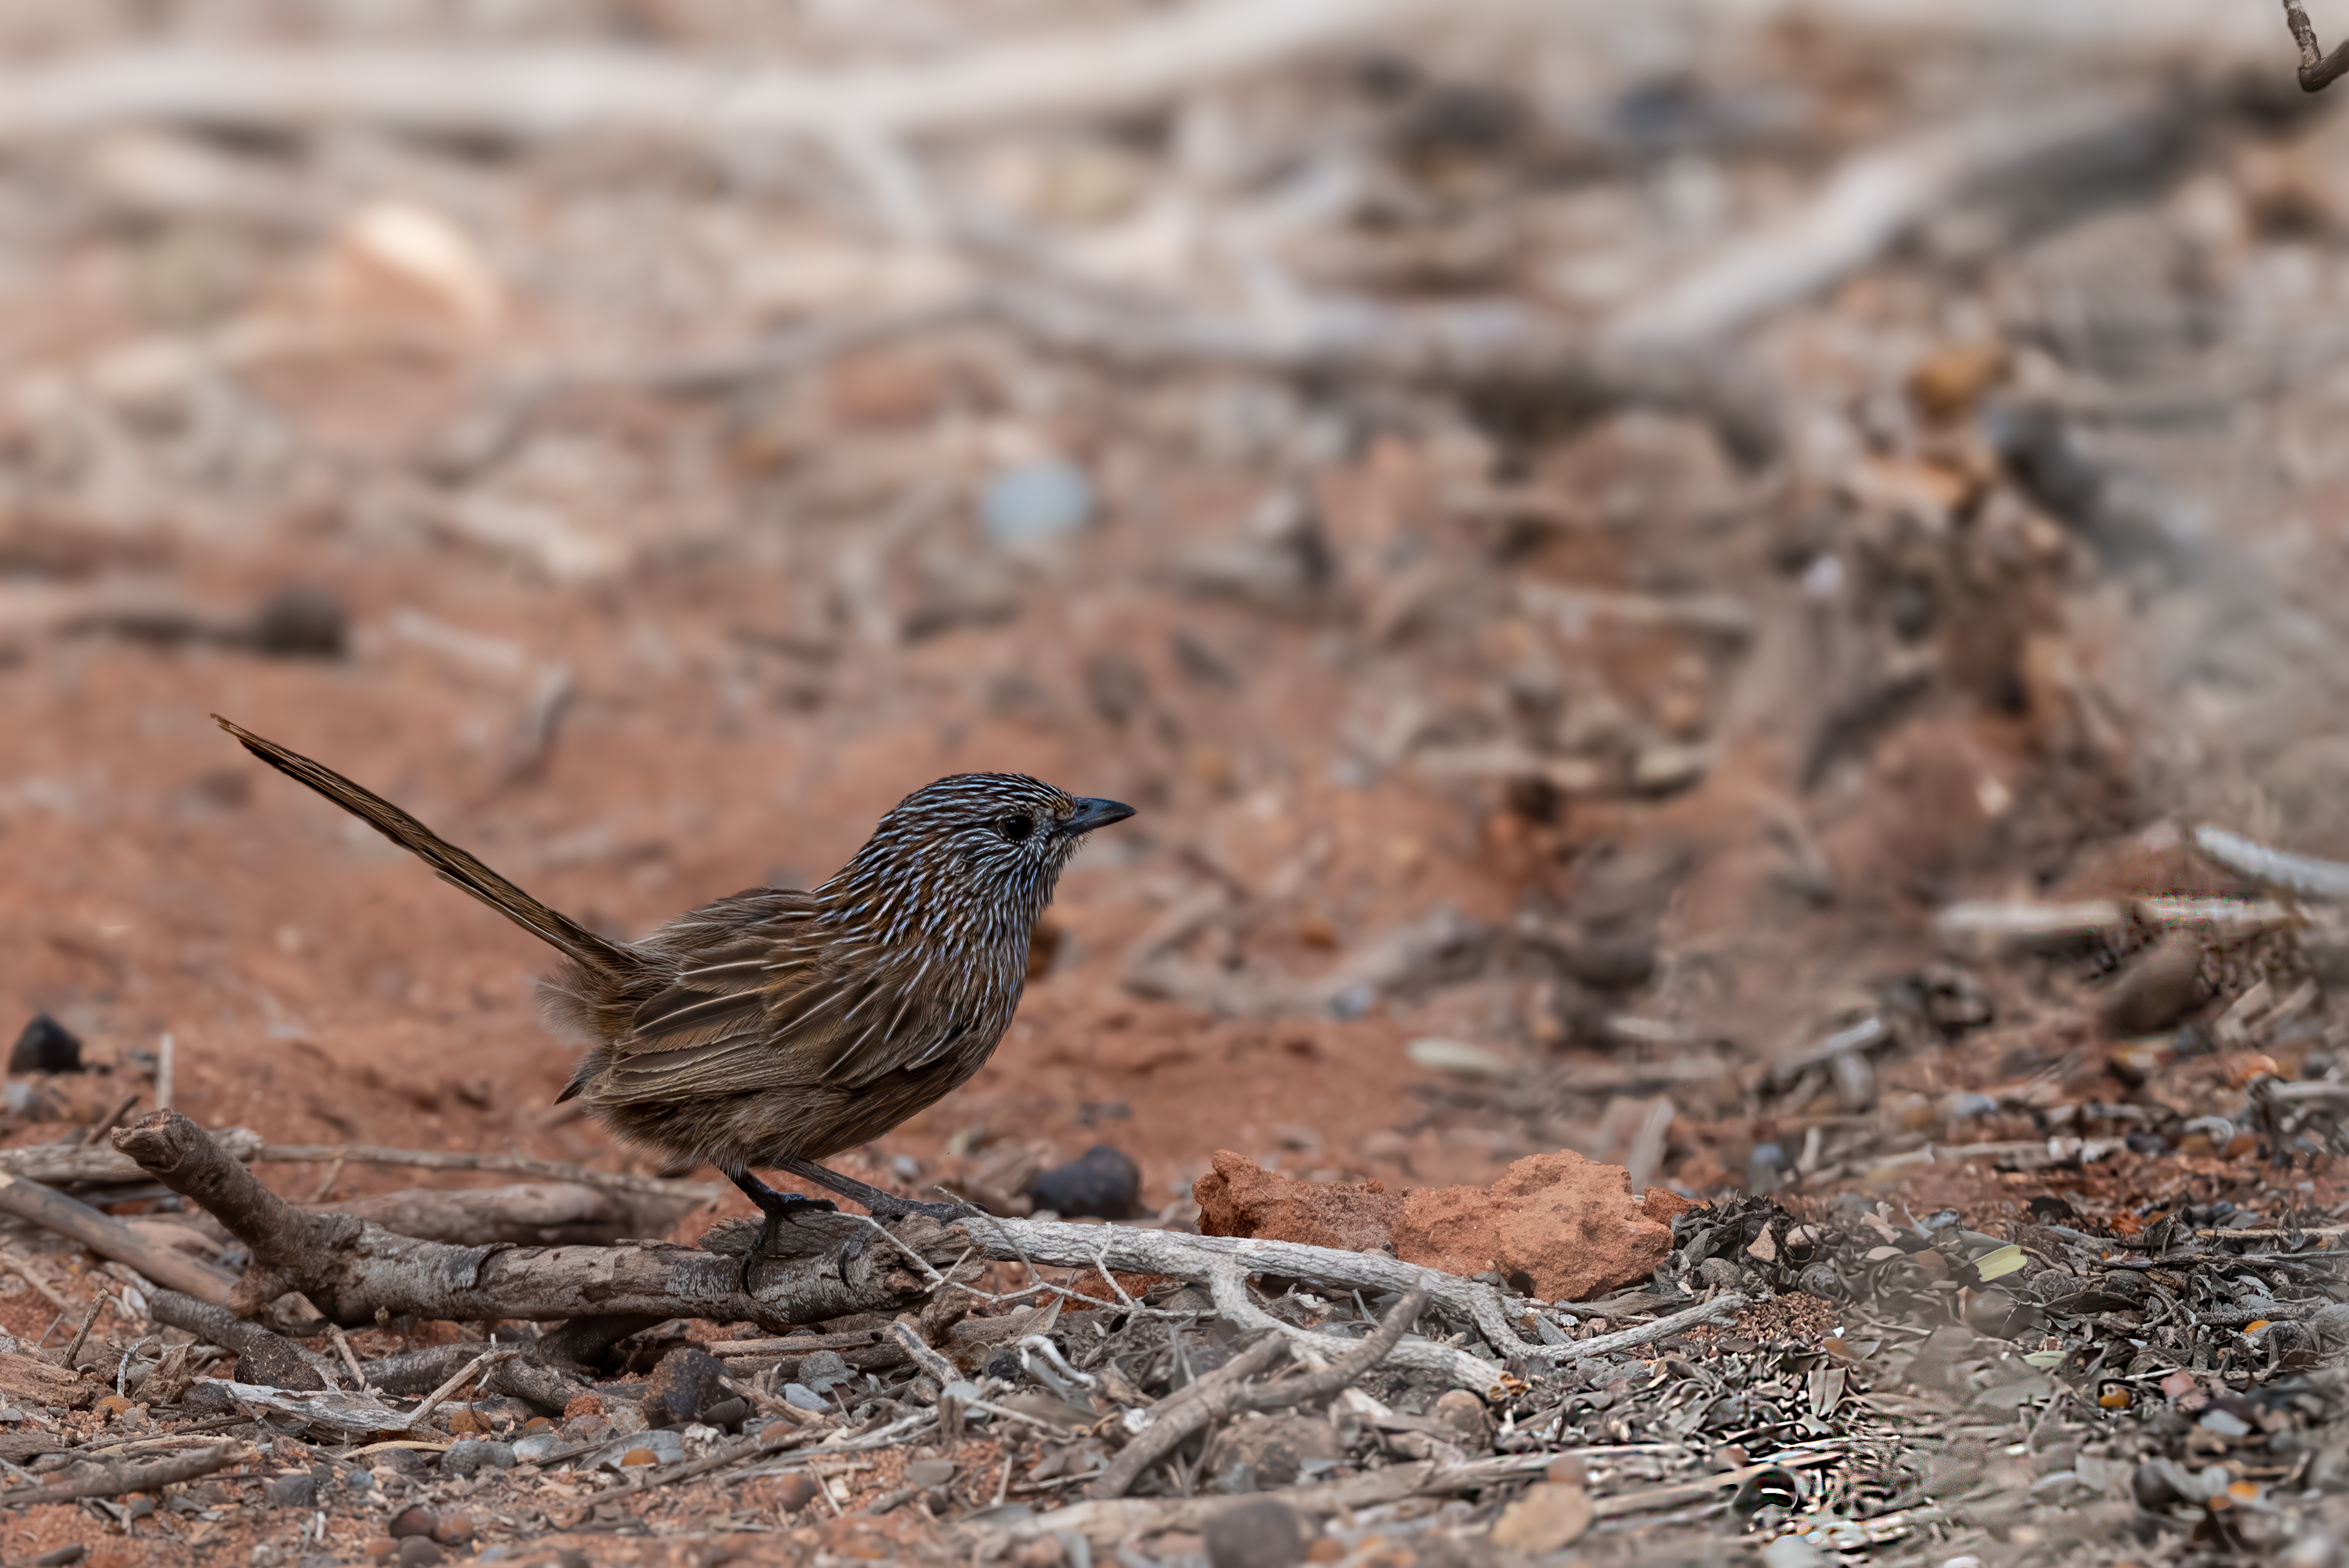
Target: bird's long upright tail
[456, 866]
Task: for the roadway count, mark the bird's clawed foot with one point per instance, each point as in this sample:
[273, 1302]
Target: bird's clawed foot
[777, 1207]
[883, 1206]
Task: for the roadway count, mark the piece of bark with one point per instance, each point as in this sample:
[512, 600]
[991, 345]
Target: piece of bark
[352, 1270]
[537, 1213]
[33, 1381]
[110, 1238]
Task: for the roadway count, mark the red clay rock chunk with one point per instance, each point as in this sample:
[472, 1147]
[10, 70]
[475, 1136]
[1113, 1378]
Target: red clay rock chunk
[1240, 1198]
[1565, 1223]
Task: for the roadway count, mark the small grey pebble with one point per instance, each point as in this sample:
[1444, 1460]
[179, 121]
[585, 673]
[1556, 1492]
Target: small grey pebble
[929, 1472]
[294, 1491]
[1265, 1533]
[824, 1370]
[800, 1397]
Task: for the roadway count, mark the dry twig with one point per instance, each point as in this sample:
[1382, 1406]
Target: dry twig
[2317, 69]
[113, 1481]
[1226, 1392]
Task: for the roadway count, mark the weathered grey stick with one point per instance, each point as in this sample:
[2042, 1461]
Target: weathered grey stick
[1470, 1372]
[114, 1479]
[352, 1270]
[1179, 1256]
[544, 92]
[2304, 874]
[110, 1238]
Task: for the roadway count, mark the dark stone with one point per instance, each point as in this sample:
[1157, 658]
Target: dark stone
[1004, 1367]
[2160, 986]
[45, 1047]
[1264, 1533]
[63, 1557]
[275, 1363]
[2153, 1488]
[1103, 1182]
[302, 623]
[729, 1413]
[419, 1552]
[471, 1457]
[416, 1519]
[300, 1491]
[208, 1396]
[400, 1461]
[688, 1381]
[1610, 963]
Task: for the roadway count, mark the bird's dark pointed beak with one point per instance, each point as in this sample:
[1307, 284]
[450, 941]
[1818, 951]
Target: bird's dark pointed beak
[1095, 814]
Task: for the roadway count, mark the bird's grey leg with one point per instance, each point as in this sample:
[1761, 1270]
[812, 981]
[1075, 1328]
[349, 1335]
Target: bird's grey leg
[884, 1205]
[777, 1207]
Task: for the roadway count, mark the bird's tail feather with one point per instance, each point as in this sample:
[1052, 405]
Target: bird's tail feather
[456, 866]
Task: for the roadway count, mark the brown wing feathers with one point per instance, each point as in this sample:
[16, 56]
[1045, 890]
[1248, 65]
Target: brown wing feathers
[456, 867]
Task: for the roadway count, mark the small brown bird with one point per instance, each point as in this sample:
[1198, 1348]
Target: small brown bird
[776, 1026]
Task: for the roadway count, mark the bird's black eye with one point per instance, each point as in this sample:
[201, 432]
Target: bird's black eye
[1017, 827]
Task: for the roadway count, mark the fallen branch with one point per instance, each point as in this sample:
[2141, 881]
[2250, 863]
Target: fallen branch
[110, 1238]
[1226, 1392]
[114, 1479]
[1178, 1256]
[553, 94]
[56, 1165]
[506, 1164]
[352, 1270]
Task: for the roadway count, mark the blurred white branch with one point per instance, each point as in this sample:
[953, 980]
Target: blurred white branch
[538, 93]
[1875, 199]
